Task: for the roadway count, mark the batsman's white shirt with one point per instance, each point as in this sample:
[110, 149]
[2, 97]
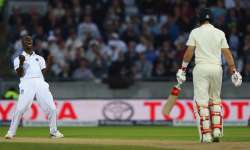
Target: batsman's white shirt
[207, 73]
[32, 85]
[208, 42]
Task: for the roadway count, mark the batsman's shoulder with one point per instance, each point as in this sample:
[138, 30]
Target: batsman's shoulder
[219, 31]
[195, 30]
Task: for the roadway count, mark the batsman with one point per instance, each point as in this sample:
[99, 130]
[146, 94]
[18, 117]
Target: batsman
[207, 43]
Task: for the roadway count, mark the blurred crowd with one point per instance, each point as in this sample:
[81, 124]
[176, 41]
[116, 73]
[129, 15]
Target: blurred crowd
[125, 40]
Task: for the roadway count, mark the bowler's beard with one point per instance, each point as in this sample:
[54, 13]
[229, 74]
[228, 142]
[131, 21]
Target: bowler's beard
[28, 49]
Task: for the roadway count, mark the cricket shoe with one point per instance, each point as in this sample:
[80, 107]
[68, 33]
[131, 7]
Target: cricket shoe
[9, 136]
[207, 138]
[216, 135]
[56, 135]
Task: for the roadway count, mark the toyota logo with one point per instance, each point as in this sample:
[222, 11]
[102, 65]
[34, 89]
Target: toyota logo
[118, 110]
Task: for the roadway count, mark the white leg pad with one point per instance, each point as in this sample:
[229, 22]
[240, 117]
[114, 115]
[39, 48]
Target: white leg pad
[203, 121]
[216, 119]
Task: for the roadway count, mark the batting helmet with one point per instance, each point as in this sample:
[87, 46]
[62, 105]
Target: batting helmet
[205, 15]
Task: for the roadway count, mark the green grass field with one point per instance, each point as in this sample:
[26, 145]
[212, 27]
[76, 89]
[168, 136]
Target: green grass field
[121, 138]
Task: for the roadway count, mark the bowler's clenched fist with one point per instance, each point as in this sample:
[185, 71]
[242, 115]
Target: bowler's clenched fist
[21, 59]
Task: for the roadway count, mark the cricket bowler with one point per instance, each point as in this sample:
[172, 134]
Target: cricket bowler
[31, 69]
[207, 43]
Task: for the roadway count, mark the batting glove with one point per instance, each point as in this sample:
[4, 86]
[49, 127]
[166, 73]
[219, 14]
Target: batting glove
[181, 76]
[236, 78]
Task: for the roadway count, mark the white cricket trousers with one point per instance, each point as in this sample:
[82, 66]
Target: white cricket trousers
[30, 88]
[207, 80]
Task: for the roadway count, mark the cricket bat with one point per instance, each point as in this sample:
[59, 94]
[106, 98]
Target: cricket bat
[171, 99]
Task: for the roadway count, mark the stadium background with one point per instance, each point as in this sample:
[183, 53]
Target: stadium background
[115, 60]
